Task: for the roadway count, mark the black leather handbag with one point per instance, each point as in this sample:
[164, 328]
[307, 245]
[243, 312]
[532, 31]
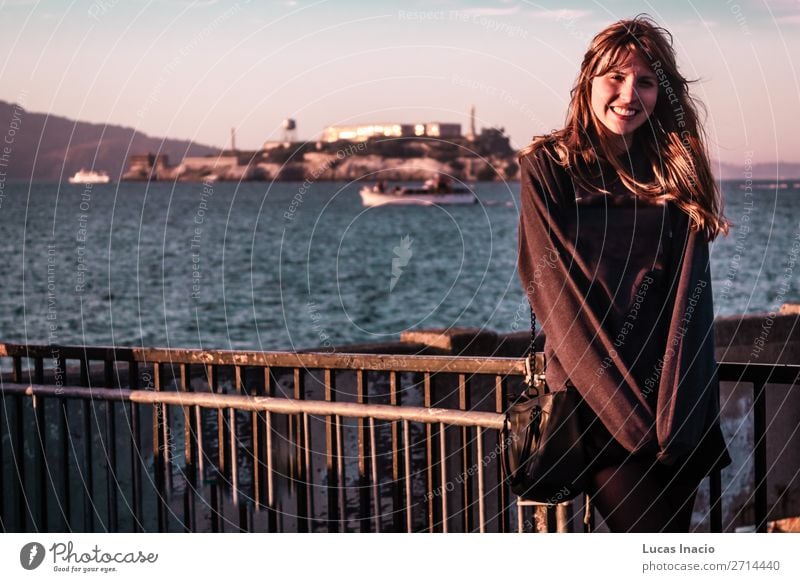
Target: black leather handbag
[543, 456]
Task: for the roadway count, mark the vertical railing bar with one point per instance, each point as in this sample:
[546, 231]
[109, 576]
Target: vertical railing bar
[500, 399]
[108, 373]
[111, 470]
[340, 473]
[272, 517]
[112, 479]
[17, 369]
[88, 468]
[442, 460]
[220, 471]
[4, 519]
[189, 452]
[376, 505]
[407, 461]
[41, 451]
[760, 462]
[136, 468]
[467, 493]
[330, 454]
[222, 465]
[136, 458]
[19, 455]
[588, 514]
[715, 500]
[256, 425]
[39, 369]
[83, 366]
[201, 455]
[41, 462]
[481, 491]
[216, 519]
[268, 454]
[397, 491]
[562, 517]
[429, 454]
[63, 437]
[39, 379]
[307, 471]
[160, 454]
[243, 506]
[363, 491]
[168, 439]
[301, 476]
[232, 438]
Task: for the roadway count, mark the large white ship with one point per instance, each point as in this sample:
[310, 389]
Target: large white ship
[432, 193]
[89, 177]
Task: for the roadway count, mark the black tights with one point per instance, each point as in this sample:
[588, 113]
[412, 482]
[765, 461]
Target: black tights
[636, 496]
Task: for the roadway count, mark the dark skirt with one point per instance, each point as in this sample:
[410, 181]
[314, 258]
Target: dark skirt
[605, 451]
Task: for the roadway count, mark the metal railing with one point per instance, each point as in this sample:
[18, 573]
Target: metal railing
[759, 375]
[149, 439]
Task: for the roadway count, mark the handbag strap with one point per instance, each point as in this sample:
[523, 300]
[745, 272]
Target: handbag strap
[533, 333]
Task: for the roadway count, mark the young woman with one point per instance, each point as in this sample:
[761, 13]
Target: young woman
[618, 208]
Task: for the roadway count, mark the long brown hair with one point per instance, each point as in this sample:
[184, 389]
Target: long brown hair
[672, 140]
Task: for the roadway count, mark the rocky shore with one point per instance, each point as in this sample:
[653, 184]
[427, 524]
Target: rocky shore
[487, 157]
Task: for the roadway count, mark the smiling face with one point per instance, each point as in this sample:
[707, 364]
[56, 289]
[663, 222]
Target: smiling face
[625, 95]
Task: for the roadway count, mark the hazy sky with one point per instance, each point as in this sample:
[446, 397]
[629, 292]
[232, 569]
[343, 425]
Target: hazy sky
[195, 69]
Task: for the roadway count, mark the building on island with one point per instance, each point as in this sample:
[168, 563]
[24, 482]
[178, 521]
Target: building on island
[364, 132]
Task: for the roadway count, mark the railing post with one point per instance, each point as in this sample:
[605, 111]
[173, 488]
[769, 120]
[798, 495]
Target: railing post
[189, 454]
[111, 451]
[160, 452]
[397, 468]
[363, 489]
[136, 449]
[301, 475]
[272, 517]
[331, 455]
[500, 394]
[18, 448]
[715, 501]
[760, 461]
[430, 455]
[87, 407]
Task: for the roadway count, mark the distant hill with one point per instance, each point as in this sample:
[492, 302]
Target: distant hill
[779, 171]
[61, 146]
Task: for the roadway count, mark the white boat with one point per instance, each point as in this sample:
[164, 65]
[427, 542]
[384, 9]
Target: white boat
[417, 196]
[89, 177]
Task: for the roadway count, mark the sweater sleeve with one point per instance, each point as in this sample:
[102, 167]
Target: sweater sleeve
[574, 309]
[688, 398]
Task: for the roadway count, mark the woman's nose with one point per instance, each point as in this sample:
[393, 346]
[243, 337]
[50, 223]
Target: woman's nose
[627, 92]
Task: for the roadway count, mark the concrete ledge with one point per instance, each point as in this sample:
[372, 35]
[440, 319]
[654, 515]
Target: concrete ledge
[463, 341]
